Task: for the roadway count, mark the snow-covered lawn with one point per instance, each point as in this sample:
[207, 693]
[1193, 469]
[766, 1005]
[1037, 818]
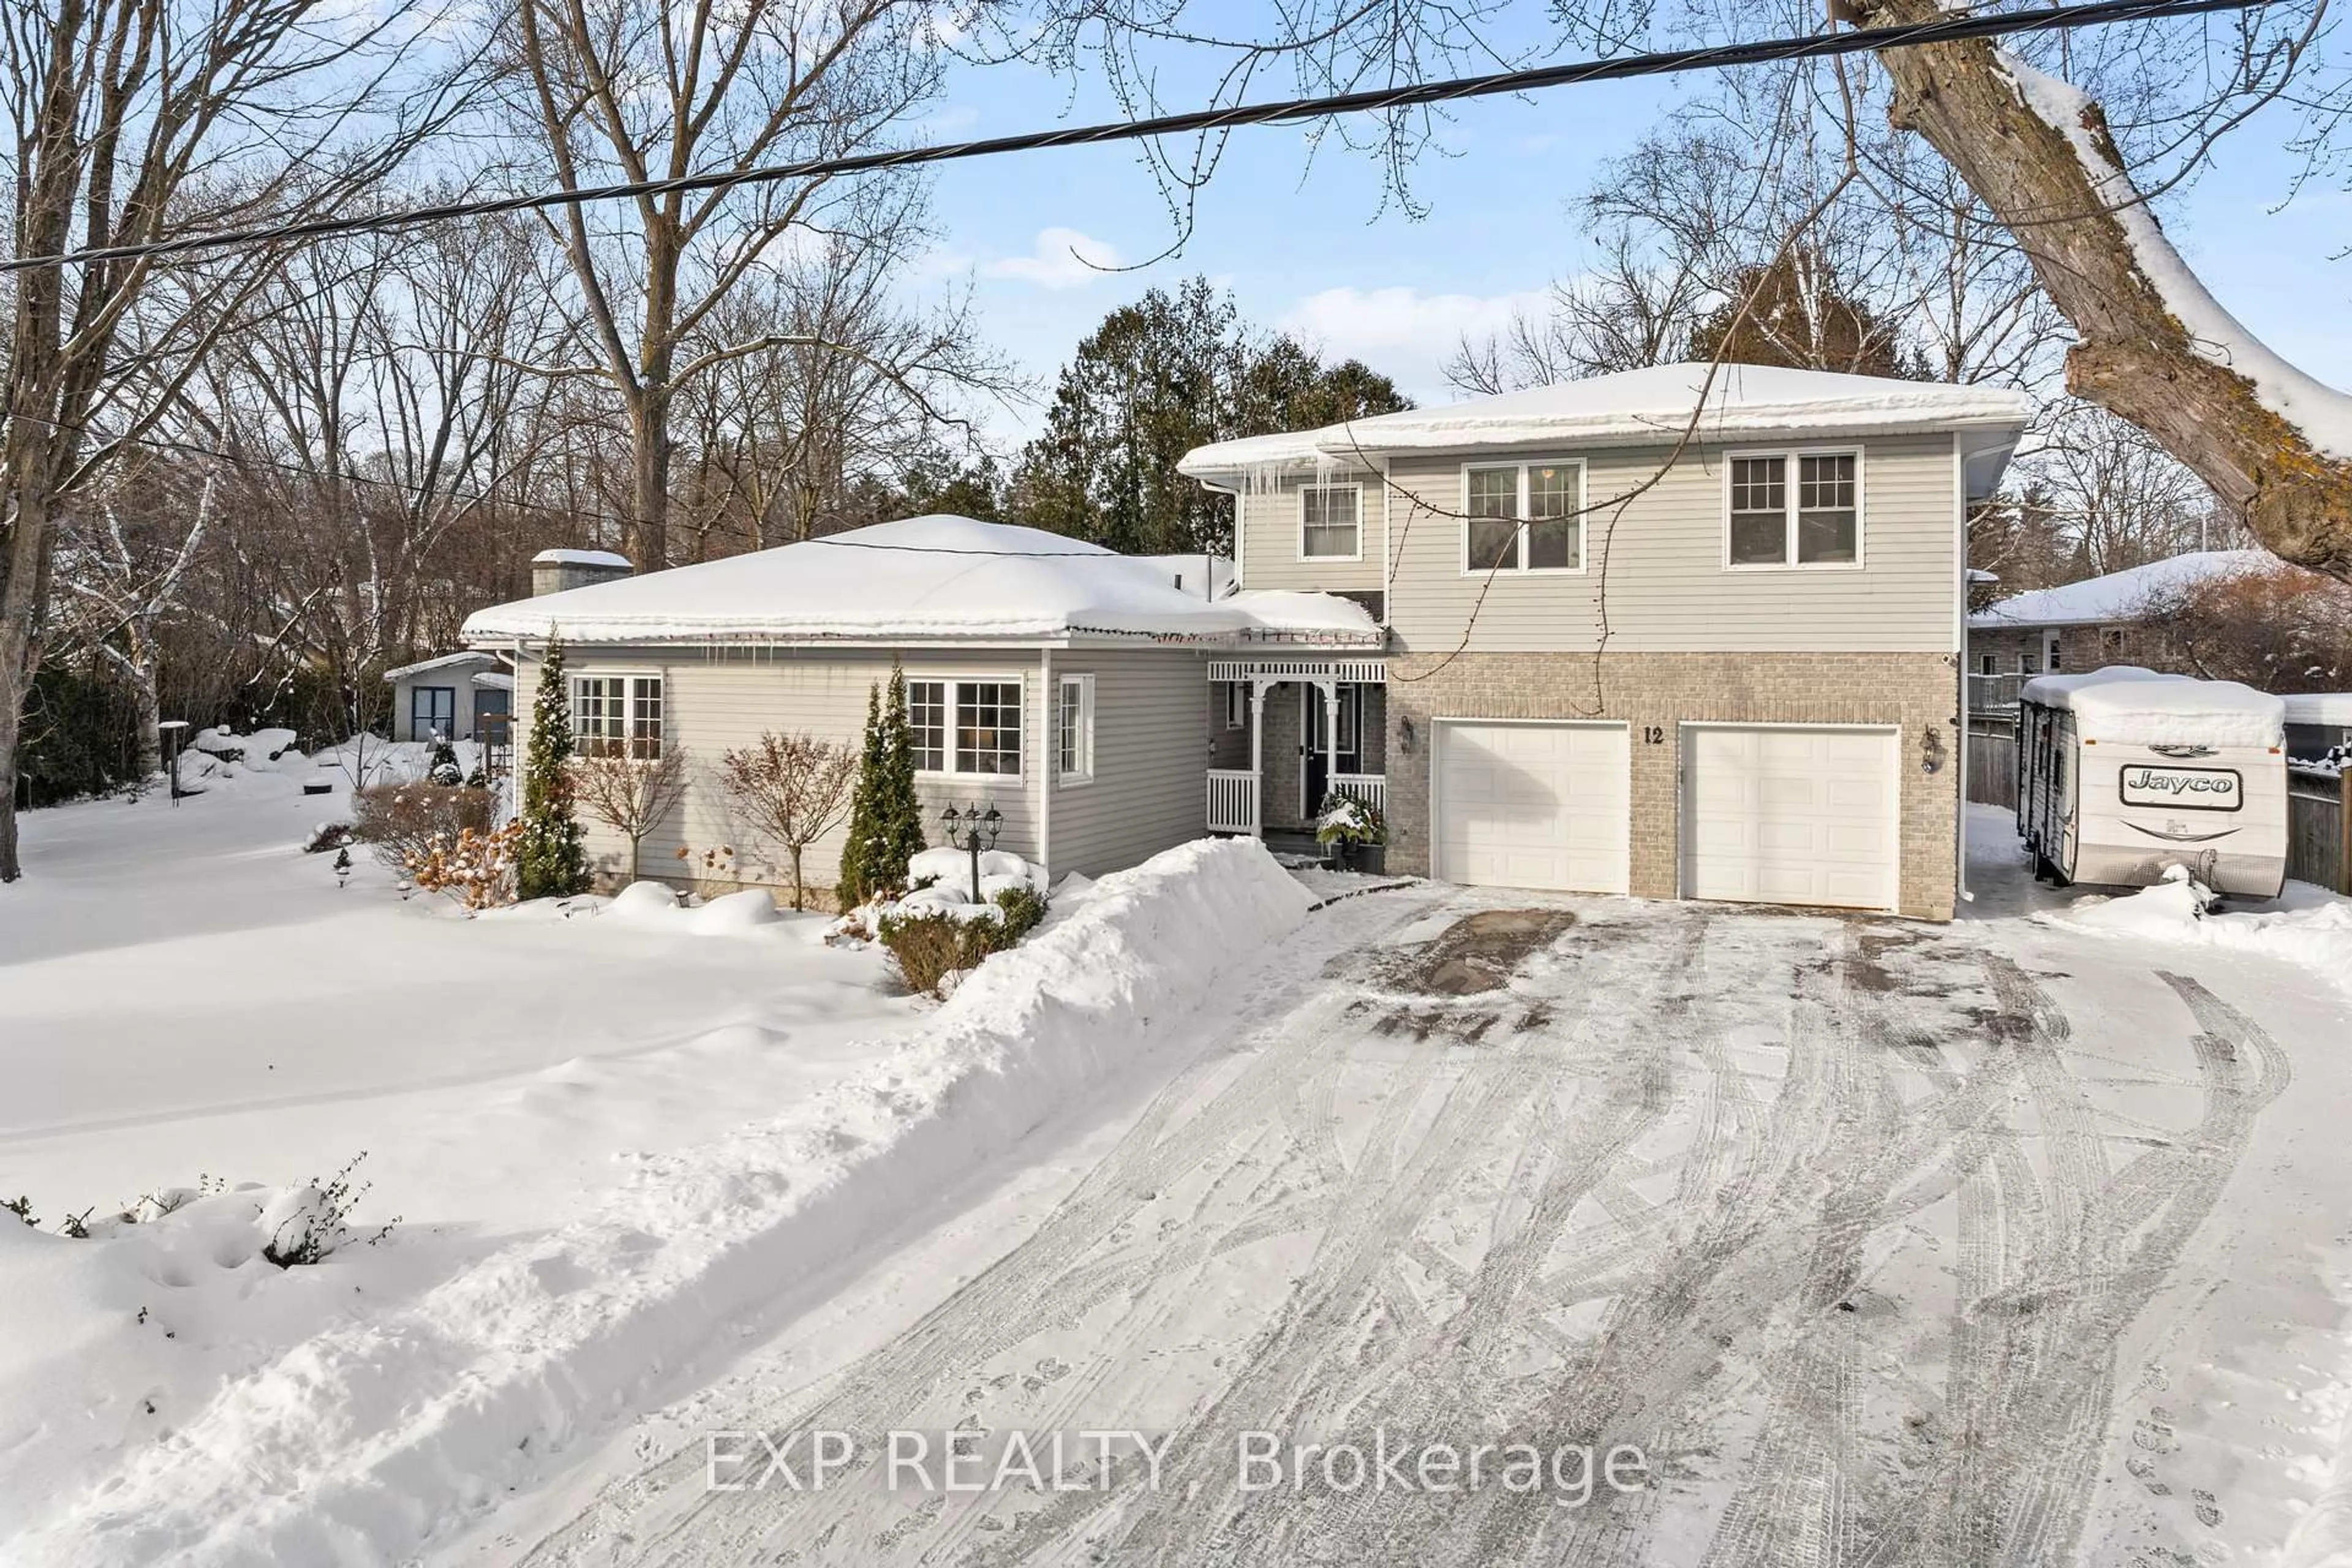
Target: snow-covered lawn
[183, 993]
[618, 1135]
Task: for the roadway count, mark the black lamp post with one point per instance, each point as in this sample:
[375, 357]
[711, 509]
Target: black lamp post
[172, 729]
[974, 824]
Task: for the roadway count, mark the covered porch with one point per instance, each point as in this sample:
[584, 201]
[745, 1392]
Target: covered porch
[1285, 733]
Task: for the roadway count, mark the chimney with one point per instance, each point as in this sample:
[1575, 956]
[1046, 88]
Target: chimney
[555, 571]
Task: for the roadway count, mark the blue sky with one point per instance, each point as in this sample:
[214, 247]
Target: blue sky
[1306, 244]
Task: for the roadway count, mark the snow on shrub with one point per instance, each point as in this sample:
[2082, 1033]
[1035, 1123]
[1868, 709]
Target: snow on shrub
[477, 870]
[403, 822]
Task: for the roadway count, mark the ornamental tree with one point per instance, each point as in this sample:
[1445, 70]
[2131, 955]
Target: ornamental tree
[552, 859]
[886, 815]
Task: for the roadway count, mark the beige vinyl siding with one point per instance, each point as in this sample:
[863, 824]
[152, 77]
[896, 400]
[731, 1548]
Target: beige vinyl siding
[1148, 792]
[1668, 589]
[1270, 538]
[722, 698]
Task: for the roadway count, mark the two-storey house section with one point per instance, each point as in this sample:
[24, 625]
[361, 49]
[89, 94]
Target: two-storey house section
[1692, 631]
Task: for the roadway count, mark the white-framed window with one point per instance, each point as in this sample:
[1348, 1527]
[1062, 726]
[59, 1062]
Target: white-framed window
[1801, 509]
[966, 727]
[1074, 729]
[1990, 663]
[1330, 522]
[617, 715]
[1522, 516]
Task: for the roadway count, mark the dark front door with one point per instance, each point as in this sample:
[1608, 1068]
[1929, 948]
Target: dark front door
[1315, 750]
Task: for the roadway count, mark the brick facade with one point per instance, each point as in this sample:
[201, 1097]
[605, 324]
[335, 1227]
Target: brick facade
[1916, 692]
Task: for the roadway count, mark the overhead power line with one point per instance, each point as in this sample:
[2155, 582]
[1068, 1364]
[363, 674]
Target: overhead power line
[1713, 56]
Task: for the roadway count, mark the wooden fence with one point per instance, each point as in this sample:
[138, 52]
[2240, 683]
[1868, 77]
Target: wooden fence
[1992, 761]
[2318, 815]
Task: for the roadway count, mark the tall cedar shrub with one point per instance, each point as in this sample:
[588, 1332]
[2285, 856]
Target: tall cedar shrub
[886, 816]
[552, 861]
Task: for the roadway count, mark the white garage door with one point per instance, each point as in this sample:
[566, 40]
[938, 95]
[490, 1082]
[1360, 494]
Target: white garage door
[1532, 806]
[1790, 816]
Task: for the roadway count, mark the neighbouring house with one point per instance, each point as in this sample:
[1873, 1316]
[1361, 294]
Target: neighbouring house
[1635, 641]
[457, 697]
[1067, 687]
[2318, 725]
[2092, 624]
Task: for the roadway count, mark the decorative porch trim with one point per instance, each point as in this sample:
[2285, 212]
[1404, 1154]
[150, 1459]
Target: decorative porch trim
[1353, 671]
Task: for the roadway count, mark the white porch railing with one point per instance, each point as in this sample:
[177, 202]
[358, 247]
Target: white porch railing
[1371, 788]
[1233, 802]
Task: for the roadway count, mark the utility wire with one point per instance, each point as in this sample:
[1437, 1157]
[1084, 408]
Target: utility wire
[1715, 56]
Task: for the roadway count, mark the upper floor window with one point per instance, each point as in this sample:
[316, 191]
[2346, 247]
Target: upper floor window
[965, 727]
[1794, 508]
[617, 715]
[1523, 516]
[1330, 524]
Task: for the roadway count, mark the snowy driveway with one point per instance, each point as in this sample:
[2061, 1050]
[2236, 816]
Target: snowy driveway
[1883, 1243]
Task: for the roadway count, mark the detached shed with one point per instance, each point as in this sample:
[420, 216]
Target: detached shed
[456, 695]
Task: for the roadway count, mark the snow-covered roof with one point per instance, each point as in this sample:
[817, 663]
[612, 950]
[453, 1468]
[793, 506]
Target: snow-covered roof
[1634, 407]
[580, 558]
[2318, 707]
[1186, 573]
[2118, 595]
[440, 661]
[2125, 703]
[494, 680]
[927, 579]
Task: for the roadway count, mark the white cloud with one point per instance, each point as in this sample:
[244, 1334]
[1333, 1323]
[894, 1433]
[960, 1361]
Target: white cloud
[1402, 333]
[1064, 258]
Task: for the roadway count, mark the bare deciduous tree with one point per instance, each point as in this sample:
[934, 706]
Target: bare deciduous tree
[794, 788]
[133, 121]
[2152, 346]
[644, 89]
[630, 795]
[121, 585]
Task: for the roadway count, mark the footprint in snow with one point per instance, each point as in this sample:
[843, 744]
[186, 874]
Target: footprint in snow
[2208, 1513]
[2145, 1473]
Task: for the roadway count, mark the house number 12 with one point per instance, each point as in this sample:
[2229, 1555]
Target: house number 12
[1653, 734]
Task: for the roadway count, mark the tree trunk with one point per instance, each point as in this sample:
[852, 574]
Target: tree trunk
[646, 535]
[800, 897]
[2136, 357]
[12, 721]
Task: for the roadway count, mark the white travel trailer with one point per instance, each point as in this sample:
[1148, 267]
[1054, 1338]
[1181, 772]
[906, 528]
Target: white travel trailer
[2122, 772]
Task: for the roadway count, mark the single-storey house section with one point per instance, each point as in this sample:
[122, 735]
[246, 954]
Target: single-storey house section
[2089, 624]
[1687, 631]
[456, 697]
[1064, 685]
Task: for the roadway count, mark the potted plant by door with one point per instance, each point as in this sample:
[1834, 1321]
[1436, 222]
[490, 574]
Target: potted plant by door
[1353, 829]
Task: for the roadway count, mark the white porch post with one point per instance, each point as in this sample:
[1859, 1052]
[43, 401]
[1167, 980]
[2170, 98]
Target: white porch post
[1330, 689]
[1257, 757]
